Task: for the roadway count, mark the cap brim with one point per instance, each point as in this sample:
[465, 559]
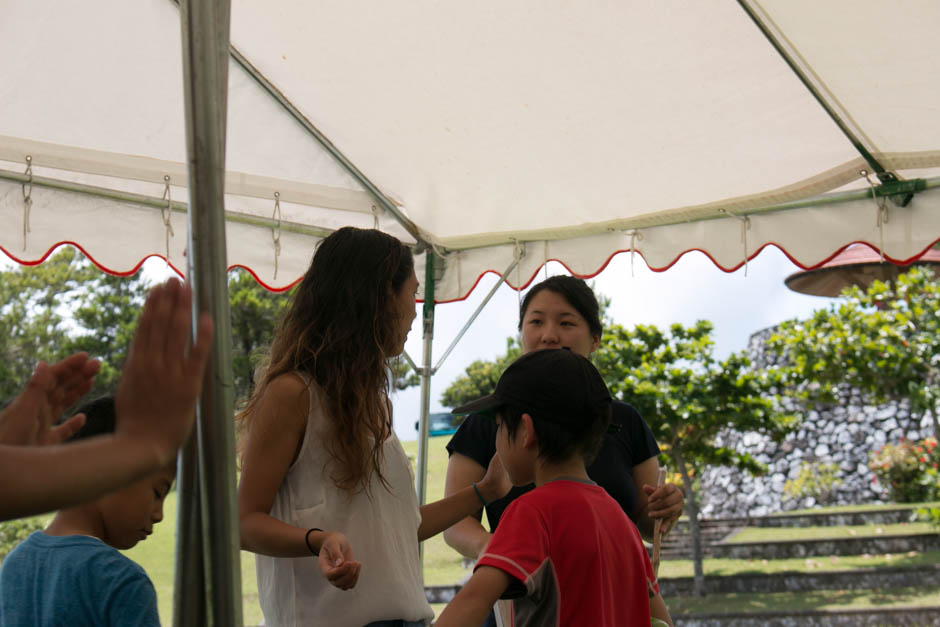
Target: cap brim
[484, 405]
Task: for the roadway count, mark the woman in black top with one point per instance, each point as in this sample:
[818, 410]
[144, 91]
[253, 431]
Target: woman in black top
[562, 311]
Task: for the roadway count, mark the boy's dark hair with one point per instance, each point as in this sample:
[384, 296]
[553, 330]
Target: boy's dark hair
[558, 442]
[563, 393]
[100, 418]
[573, 290]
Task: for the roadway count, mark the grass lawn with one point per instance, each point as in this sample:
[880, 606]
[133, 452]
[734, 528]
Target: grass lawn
[765, 534]
[859, 508]
[806, 600]
[443, 565]
[683, 568]
[157, 554]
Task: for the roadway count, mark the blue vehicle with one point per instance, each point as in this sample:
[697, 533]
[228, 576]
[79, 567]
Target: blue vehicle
[440, 424]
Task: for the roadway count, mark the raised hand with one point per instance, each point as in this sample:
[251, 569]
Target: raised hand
[162, 377]
[30, 419]
[665, 503]
[495, 484]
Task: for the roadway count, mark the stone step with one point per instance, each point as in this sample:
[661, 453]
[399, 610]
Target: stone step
[678, 544]
[900, 514]
[927, 575]
[785, 618]
[784, 549]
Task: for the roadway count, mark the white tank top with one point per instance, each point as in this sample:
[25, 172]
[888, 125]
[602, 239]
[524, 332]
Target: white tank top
[382, 527]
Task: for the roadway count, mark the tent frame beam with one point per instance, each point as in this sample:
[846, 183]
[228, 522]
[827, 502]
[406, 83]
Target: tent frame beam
[324, 141]
[905, 187]
[473, 316]
[816, 88]
[298, 116]
[153, 202]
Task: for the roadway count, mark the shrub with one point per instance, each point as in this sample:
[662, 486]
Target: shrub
[908, 470]
[814, 480]
[12, 532]
[931, 515]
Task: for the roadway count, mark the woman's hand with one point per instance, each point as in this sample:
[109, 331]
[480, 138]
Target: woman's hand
[336, 561]
[665, 503]
[495, 483]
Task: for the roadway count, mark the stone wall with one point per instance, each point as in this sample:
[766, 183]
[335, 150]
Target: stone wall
[843, 434]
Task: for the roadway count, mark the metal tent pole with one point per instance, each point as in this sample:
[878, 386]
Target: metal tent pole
[189, 599]
[428, 325]
[205, 29]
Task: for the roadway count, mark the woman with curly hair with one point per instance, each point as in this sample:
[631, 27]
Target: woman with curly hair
[323, 473]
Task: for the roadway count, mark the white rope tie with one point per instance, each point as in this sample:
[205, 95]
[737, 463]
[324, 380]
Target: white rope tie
[881, 216]
[27, 198]
[167, 214]
[745, 227]
[276, 231]
[375, 217]
[634, 236]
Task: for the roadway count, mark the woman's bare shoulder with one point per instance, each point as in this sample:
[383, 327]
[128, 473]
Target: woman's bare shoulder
[285, 397]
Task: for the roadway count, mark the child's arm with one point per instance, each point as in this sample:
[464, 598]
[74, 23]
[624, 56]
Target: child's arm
[156, 401]
[439, 515]
[475, 600]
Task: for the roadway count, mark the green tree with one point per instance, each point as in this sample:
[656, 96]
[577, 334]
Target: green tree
[403, 377]
[884, 341]
[689, 398]
[255, 312]
[480, 377]
[104, 317]
[61, 306]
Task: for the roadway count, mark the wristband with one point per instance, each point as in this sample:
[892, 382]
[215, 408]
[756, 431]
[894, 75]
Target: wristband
[307, 540]
[480, 496]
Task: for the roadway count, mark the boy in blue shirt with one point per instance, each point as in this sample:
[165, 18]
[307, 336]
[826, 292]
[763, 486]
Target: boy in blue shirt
[73, 572]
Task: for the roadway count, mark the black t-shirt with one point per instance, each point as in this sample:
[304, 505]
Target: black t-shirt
[620, 451]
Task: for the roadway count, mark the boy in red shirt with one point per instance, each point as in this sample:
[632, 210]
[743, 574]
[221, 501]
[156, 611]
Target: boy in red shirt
[565, 552]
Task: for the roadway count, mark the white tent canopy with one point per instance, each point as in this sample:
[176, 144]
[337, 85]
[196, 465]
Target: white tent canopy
[567, 131]
[498, 135]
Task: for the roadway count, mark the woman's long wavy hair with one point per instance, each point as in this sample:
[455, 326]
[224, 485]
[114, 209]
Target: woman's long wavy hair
[341, 328]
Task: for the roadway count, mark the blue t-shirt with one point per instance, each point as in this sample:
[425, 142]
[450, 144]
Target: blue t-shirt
[75, 581]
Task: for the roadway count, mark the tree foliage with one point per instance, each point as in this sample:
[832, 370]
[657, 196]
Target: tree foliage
[689, 399]
[254, 312]
[66, 304]
[480, 377]
[686, 395]
[884, 341]
[61, 306]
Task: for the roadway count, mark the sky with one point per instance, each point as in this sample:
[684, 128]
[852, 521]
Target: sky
[737, 304]
[692, 289]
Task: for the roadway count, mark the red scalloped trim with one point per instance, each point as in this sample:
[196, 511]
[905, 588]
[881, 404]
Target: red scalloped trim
[136, 268]
[900, 262]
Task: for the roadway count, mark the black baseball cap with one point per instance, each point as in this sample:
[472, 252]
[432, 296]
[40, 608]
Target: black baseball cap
[556, 385]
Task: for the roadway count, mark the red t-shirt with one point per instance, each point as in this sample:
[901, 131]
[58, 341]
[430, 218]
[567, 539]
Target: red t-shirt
[576, 558]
